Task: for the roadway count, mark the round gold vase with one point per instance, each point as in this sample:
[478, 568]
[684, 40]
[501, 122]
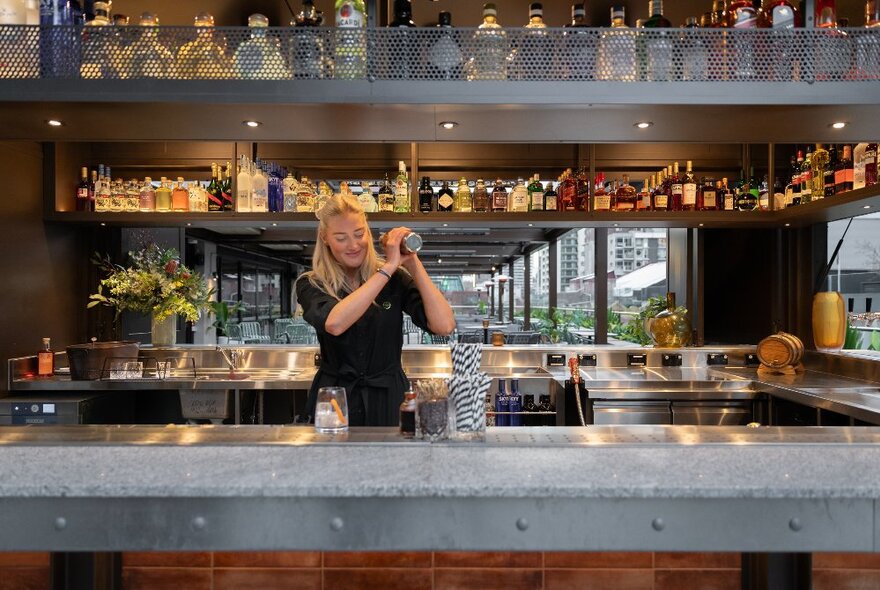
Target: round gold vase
[829, 321]
[671, 328]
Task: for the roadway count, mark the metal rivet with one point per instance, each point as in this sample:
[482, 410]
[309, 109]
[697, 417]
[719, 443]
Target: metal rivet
[795, 524]
[60, 523]
[336, 524]
[199, 523]
[522, 524]
[657, 524]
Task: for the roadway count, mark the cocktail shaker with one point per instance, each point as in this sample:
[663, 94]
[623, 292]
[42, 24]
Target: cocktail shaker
[411, 242]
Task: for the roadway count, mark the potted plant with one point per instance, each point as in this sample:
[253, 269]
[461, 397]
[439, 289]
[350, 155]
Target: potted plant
[222, 313]
[154, 283]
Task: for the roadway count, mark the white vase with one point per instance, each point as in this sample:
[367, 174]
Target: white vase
[164, 333]
[222, 340]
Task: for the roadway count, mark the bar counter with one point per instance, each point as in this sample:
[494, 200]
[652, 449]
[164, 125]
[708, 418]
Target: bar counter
[633, 488]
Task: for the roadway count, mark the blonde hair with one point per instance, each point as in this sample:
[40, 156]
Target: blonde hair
[327, 274]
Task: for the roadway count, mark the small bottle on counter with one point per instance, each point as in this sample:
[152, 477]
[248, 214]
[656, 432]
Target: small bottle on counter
[46, 360]
[408, 414]
[529, 405]
[502, 418]
[514, 403]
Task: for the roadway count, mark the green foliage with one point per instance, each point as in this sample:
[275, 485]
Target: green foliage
[155, 283]
[634, 330]
[875, 341]
[558, 326]
[853, 340]
[222, 311]
[482, 306]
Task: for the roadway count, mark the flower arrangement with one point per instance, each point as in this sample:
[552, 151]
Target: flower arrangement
[155, 283]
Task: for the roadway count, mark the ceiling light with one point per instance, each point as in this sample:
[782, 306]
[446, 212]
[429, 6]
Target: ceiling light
[251, 123]
[531, 225]
[54, 123]
[701, 225]
[644, 124]
[448, 124]
[787, 225]
[274, 224]
[439, 261]
[445, 225]
[839, 125]
[866, 207]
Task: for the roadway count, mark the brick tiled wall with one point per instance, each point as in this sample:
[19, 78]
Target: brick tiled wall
[441, 571]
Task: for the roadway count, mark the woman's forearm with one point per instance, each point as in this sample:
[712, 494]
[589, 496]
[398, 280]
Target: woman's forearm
[441, 319]
[350, 309]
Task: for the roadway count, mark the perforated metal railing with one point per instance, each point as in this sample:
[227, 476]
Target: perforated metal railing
[280, 53]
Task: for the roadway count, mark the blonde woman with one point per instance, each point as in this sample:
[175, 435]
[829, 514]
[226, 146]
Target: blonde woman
[356, 300]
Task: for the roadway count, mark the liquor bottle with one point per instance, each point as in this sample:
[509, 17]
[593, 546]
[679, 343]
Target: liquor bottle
[259, 58]
[163, 195]
[661, 193]
[689, 189]
[463, 201]
[644, 197]
[546, 406]
[215, 198]
[499, 197]
[243, 186]
[401, 190]
[781, 14]
[531, 47]
[870, 160]
[386, 197]
[179, 196]
[398, 65]
[502, 418]
[764, 195]
[445, 198]
[324, 193]
[445, 53]
[46, 360]
[551, 198]
[536, 194]
[426, 195]
[843, 171]
[147, 57]
[745, 200]
[625, 197]
[288, 190]
[719, 14]
[655, 52]
[259, 190]
[656, 20]
[366, 199]
[872, 13]
[536, 16]
[93, 188]
[578, 16]
[601, 199]
[617, 50]
[567, 192]
[729, 196]
[95, 62]
[580, 52]
[582, 190]
[132, 196]
[514, 403]
[741, 14]
[408, 414]
[693, 43]
[825, 14]
[203, 57]
[829, 171]
[306, 196]
[529, 408]
[519, 197]
[307, 56]
[677, 188]
[226, 188]
[351, 40]
[117, 196]
[707, 199]
[82, 191]
[490, 58]
[481, 197]
[807, 177]
[819, 163]
[490, 410]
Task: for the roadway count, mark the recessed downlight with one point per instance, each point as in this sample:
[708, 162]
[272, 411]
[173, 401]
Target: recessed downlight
[251, 123]
[448, 124]
[787, 225]
[644, 124]
[866, 207]
[54, 123]
[839, 124]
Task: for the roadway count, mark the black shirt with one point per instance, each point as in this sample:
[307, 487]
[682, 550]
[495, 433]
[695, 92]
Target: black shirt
[365, 359]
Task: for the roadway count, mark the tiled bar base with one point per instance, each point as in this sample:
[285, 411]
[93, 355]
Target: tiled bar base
[441, 571]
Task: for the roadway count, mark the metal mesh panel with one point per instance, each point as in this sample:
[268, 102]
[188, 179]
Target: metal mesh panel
[281, 53]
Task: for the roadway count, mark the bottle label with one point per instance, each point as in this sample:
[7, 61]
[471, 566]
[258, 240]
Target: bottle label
[676, 189]
[839, 176]
[661, 202]
[603, 203]
[848, 175]
[550, 203]
[689, 194]
[82, 193]
[537, 201]
[728, 202]
[709, 199]
[401, 196]
[499, 200]
[625, 205]
[349, 16]
[445, 201]
[519, 201]
[44, 364]
[386, 203]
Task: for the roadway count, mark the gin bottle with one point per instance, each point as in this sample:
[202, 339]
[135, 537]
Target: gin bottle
[96, 43]
[203, 57]
[463, 202]
[445, 54]
[617, 50]
[426, 195]
[579, 45]
[351, 39]
[656, 49]
[445, 198]
[259, 58]
[307, 53]
[531, 59]
[519, 197]
[492, 52]
[147, 57]
[536, 194]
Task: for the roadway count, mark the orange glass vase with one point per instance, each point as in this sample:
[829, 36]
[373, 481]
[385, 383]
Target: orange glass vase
[829, 321]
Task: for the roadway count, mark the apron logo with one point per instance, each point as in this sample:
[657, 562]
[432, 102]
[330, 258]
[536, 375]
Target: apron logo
[386, 304]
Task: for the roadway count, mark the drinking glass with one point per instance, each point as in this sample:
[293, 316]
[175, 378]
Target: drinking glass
[331, 411]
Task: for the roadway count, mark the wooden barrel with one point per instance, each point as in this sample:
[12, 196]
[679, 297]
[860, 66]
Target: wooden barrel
[780, 350]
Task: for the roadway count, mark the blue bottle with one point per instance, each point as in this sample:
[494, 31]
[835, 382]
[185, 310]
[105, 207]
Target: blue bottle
[276, 190]
[501, 405]
[514, 403]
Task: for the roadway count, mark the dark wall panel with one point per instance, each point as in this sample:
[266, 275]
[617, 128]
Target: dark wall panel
[41, 265]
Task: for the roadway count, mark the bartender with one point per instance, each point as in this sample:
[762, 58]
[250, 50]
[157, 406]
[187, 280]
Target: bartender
[356, 300]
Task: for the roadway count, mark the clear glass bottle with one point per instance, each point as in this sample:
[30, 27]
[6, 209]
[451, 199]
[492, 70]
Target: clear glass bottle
[351, 40]
[386, 197]
[500, 201]
[579, 45]
[492, 54]
[399, 65]
[46, 360]
[95, 61]
[617, 50]
[656, 47]
[818, 163]
[366, 199]
[741, 14]
[481, 197]
[163, 196]
[463, 199]
[259, 190]
[536, 194]
[131, 203]
[531, 55]
[147, 57]
[259, 58]
[693, 52]
[401, 190]
[288, 190]
[243, 186]
[204, 57]
[307, 58]
[306, 196]
[445, 54]
[324, 193]
[117, 196]
[519, 197]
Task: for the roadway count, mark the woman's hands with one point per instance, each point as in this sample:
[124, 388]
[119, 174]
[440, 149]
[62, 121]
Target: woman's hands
[393, 256]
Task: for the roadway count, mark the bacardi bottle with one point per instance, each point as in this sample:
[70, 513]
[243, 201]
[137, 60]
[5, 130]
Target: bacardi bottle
[351, 40]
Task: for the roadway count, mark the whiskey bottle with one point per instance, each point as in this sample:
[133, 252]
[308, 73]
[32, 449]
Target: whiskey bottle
[567, 192]
[729, 196]
[625, 197]
[661, 194]
[707, 199]
[519, 197]
[46, 360]
[551, 198]
[819, 163]
[830, 171]
[386, 197]
[82, 191]
[843, 173]
[445, 198]
[426, 195]
[536, 194]
[601, 199]
[807, 178]
[582, 190]
[689, 190]
[463, 202]
[499, 197]
[481, 197]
